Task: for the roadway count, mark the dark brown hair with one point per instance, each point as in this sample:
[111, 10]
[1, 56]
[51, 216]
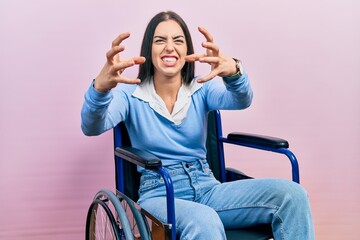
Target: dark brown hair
[146, 70]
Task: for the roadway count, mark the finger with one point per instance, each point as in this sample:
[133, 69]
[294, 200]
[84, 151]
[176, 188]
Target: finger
[194, 57]
[211, 46]
[208, 37]
[122, 79]
[206, 34]
[121, 66]
[139, 60]
[210, 76]
[120, 38]
[209, 60]
[113, 53]
[116, 43]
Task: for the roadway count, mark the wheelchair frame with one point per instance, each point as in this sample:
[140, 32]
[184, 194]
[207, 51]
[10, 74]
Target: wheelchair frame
[148, 161]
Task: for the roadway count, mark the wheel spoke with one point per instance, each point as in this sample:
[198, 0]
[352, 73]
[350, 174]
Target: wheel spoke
[101, 227]
[115, 217]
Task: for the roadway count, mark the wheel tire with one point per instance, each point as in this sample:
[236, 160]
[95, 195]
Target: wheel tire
[114, 212]
[100, 222]
[139, 224]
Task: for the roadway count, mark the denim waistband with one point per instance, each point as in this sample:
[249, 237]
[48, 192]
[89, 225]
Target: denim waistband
[180, 168]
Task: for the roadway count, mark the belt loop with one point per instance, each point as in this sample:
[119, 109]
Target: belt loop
[183, 164]
[202, 165]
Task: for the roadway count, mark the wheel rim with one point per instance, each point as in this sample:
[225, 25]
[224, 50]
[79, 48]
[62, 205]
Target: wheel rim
[138, 221]
[101, 223]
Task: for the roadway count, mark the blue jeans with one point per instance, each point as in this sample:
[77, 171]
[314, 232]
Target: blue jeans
[204, 207]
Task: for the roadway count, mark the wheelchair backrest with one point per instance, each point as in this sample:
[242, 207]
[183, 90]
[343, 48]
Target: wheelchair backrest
[129, 173]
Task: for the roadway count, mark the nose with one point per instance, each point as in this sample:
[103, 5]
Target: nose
[169, 46]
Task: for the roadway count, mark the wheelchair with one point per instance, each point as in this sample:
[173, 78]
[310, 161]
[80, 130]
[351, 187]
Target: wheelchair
[118, 216]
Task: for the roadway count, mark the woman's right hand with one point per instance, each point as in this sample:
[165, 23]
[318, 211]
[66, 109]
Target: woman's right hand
[111, 73]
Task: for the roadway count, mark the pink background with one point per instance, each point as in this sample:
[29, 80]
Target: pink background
[303, 58]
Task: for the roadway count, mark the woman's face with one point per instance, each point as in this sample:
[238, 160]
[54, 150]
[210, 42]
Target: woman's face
[168, 49]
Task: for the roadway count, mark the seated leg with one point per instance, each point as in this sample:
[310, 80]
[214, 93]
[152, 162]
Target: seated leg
[194, 220]
[282, 203]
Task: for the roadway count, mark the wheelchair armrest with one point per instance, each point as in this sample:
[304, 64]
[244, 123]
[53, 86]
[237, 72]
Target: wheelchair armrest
[260, 140]
[146, 160]
[139, 157]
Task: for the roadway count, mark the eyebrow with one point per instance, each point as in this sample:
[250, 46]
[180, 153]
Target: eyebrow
[176, 37]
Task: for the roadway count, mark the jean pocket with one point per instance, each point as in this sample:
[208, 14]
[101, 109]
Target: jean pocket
[148, 183]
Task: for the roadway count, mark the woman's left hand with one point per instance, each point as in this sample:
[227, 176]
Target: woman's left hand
[221, 65]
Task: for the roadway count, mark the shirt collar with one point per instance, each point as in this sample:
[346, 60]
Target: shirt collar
[146, 92]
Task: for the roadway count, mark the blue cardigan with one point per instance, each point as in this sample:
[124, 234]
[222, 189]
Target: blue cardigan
[149, 130]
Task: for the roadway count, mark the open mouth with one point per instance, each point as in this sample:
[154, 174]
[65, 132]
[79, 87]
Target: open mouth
[169, 60]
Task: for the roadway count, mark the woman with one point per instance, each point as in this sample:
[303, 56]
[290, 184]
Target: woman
[165, 111]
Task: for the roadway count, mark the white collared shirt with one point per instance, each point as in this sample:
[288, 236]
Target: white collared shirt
[147, 93]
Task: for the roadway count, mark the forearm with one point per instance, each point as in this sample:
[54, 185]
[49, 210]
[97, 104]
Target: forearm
[241, 89]
[95, 118]
[234, 94]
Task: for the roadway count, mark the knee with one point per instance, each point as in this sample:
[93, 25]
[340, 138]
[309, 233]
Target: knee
[203, 224]
[293, 194]
[297, 193]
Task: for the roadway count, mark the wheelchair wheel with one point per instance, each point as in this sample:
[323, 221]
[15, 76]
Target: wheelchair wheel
[100, 223]
[138, 222]
[107, 219]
